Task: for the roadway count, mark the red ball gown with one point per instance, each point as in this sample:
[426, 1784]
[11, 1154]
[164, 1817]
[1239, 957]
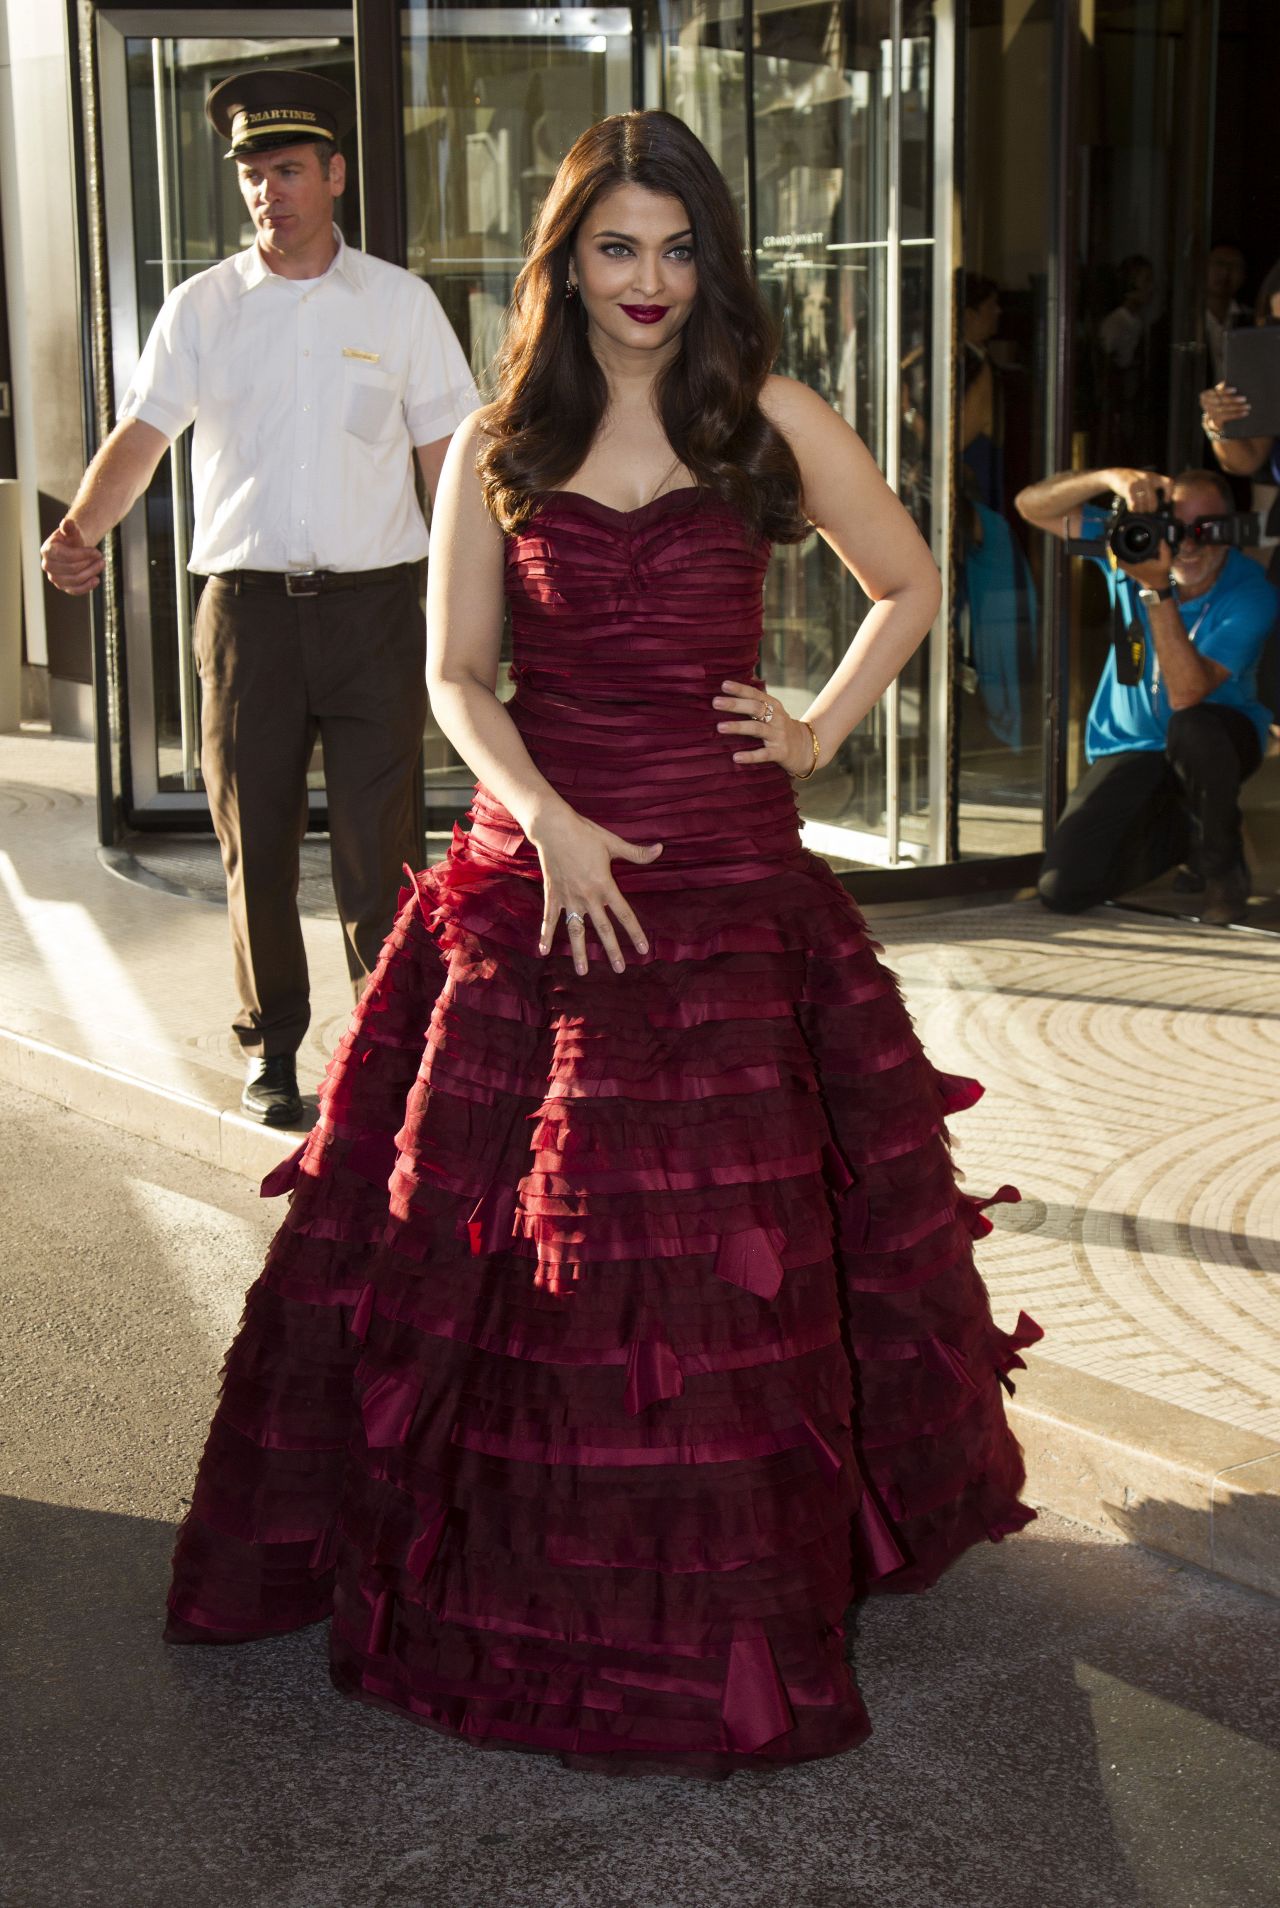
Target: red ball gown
[622, 1330]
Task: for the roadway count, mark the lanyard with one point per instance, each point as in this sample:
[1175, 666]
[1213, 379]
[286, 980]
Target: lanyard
[1155, 653]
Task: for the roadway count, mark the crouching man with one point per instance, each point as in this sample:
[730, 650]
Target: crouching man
[1167, 754]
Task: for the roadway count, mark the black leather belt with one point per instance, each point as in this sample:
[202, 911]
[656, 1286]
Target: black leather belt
[311, 582]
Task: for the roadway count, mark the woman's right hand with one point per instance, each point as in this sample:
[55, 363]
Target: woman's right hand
[577, 859]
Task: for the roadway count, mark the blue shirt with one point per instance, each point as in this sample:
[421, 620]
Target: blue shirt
[1229, 623]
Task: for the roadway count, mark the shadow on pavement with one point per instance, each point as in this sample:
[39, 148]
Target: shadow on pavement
[1099, 1224]
[1062, 1723]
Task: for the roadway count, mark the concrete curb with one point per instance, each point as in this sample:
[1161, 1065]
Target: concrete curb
[1151, 1472]
[1157, 1475]
[220, 1136]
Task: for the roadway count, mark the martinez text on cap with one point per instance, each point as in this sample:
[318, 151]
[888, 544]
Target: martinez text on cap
[269, 106]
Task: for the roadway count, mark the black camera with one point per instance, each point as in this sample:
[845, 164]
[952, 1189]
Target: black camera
[1133, 536]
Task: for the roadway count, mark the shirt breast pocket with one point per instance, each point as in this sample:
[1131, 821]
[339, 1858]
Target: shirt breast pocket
[370, 401]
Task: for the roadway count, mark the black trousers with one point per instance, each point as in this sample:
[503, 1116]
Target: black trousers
[1133, 815]
[275, 672]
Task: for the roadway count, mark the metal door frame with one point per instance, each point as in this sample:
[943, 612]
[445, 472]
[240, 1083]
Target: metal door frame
[943, 244]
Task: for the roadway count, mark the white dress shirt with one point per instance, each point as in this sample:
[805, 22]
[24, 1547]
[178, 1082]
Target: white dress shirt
[308, 398]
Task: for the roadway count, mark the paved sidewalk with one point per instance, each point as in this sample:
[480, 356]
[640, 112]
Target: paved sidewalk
[1065, 1721]
[1131, 1065]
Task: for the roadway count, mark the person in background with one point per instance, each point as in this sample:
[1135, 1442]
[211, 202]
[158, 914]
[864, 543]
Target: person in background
[313, 373]
[1223, 404]
[1167, 755]
[1123, 366]
[997, 625]
[1256, 460]
[1224, 275]
[1123, 331]
[980, 418]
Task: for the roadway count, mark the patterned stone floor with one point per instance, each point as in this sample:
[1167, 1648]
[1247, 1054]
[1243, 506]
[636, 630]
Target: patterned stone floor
[1131, 1066]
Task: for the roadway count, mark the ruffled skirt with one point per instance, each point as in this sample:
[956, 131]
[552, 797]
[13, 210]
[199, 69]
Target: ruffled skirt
[622, 1330]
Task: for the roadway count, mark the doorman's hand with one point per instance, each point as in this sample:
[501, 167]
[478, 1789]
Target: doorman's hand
[71, 564]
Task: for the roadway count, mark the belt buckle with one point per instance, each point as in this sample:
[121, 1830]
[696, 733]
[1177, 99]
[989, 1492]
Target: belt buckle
[303, 582]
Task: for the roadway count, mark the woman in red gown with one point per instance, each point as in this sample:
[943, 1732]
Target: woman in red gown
[624, 1325]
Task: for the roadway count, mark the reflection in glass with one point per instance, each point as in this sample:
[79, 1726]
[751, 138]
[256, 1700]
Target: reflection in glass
[703, 80]
[999, 661]
[846, 265]
[999, 648]
[1138, 345]
[493, 100]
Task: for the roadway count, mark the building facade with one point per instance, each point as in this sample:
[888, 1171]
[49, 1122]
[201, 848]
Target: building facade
[981, 225]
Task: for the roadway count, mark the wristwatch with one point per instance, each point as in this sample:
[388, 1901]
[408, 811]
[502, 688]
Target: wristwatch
[1149, 597]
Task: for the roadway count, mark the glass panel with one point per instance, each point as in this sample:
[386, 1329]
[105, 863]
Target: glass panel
[187, 214]
[1003, 444]
[702, 80]
[849, 275]
[1145, 109]
[493, 99]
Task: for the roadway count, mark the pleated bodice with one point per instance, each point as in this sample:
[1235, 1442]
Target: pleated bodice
[624, 626]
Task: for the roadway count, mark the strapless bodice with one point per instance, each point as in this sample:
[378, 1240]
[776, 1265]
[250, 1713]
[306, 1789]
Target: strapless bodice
[624, 625]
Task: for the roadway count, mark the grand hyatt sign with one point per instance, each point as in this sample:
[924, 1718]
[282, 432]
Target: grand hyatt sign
[790, 241]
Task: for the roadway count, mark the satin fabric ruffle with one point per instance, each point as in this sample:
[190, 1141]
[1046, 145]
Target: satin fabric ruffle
[624, 1328]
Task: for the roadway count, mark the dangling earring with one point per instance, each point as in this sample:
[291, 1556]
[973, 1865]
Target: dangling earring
[570, 290]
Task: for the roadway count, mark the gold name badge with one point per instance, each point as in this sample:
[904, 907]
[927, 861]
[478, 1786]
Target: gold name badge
[365, 357]
[268, 115]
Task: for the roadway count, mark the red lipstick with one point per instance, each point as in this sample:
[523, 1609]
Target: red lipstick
[646, 314]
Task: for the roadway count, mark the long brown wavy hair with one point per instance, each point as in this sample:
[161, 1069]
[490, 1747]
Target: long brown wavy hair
[552, 392]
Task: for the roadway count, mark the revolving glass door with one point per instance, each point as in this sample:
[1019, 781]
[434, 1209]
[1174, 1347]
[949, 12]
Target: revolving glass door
[172, 208]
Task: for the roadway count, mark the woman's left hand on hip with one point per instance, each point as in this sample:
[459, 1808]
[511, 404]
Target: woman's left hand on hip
[780, 738]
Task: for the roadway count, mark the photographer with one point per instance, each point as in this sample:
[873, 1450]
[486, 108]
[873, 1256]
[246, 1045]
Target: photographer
[1168, 752]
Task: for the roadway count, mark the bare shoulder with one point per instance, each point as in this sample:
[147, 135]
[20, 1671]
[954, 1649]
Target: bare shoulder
[466, 444]
[807, 421]
[474, 430]
[834, 462]
[793, 408]
[461, 495]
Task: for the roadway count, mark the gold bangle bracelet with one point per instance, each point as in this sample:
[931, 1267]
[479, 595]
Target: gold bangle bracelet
[817, 751]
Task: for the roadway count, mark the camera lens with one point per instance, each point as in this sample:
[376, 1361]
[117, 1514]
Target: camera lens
[1137, 541]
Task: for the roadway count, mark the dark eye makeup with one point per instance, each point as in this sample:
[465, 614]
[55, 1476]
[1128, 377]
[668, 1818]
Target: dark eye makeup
[611, 247]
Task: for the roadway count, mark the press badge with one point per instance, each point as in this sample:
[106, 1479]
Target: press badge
[365, 357]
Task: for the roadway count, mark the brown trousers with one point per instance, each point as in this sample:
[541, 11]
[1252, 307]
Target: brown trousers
[275, 672]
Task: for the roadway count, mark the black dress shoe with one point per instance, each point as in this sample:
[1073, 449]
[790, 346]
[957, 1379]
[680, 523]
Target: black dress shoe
[1226, 899]
[271, 1090]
